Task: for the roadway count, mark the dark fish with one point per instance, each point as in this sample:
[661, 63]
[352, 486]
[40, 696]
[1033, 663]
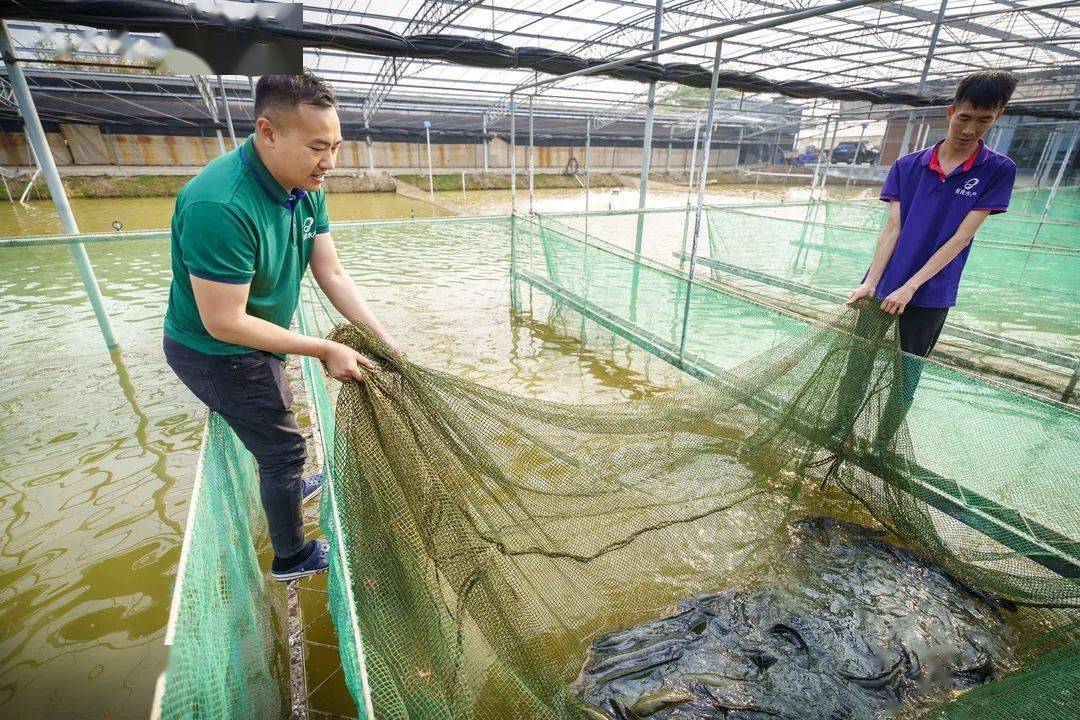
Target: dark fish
[652, 702]
[879, 681]
[856, 628]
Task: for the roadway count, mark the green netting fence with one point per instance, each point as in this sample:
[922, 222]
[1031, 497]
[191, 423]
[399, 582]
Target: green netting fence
[1016, 316]
[1065, 205]
[1018, 226]
[228, 658]
[1029, 296]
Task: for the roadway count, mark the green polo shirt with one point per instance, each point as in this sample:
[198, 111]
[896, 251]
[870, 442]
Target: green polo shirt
[232, 224]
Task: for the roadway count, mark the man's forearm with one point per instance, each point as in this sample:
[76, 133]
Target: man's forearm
[942, 257]
[882, 252]
[254, 332]
[952, 247]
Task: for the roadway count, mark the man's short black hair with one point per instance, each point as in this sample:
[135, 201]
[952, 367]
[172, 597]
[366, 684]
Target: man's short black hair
[285, 92]
[986, 90]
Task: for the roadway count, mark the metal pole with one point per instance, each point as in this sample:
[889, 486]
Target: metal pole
[832, 144]
[513, 158]
[922, 78]
[670, 142]
[821, 153]
[228, 112]
[1053, 190]
[1042, 157]
[811, 205]
[485, 143]
[646, 161]
[369, 143]
[855, 157]
[701, 197]
[1053, 148]
[532, 155]
[706, 165]
[464, 199]
[40, 145]
[738, 148]
[585, 250]
[430, 175]
[211, 102]
[588, 143]
[689, 190]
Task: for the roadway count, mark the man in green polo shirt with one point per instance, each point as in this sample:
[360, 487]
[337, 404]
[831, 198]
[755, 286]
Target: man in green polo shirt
[244, 230]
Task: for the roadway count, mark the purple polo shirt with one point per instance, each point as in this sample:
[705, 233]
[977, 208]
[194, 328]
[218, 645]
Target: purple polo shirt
[932, 207]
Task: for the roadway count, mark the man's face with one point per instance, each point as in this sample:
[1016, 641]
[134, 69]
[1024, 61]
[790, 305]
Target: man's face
[302, 145]
[968, 124]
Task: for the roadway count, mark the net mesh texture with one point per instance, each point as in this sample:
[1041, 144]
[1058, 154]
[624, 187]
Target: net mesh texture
[488, 539]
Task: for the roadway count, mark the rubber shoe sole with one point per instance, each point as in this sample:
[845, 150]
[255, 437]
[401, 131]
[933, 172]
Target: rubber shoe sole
[316, 564]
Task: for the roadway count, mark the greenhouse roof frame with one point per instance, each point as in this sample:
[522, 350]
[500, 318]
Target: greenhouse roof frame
[882, 46]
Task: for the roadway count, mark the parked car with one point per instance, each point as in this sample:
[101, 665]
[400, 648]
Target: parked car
[845, 153]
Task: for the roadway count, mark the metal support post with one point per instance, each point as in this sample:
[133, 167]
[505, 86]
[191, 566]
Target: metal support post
[369, 143]
[904, 144]
[588, 143]
[1053, 191]
[700, 198]
[670, 142]
[831, 145]
[228, 112]
[1042, 158]
[646, 161]
[821, 154]
[40, 145]
[485, 143]
[513, 157]
[738, 148]
[855, 157]
[532, 155]
[430, 175]
[689, 190]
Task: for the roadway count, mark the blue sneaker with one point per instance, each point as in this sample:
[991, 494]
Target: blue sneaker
[310, 487]
[317, 562]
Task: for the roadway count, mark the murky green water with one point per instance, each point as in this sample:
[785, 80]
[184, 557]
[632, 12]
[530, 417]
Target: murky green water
[38, 217]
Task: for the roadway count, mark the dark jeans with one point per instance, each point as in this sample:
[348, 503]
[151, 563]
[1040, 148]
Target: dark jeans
[919, 328]
[250, 391]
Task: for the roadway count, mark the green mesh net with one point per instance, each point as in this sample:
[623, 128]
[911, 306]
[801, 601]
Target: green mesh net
[485, 540]
[228, 658]
[1065, 205]
[1026, 228]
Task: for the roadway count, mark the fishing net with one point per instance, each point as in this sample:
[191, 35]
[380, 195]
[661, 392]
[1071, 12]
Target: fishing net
[481, 541]
[489, 538]
[227, 655]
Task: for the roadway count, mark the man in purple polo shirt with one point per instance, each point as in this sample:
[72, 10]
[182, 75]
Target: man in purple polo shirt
[938, 197]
